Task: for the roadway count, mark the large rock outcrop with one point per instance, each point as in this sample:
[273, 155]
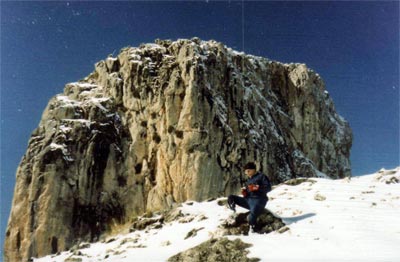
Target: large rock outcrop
[216, 250]
[161, 124]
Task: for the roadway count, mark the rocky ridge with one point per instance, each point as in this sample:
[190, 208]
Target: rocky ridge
[162, 124]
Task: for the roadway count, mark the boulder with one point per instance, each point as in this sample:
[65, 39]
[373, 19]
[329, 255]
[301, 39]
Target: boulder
[214, 250]
[266, 223]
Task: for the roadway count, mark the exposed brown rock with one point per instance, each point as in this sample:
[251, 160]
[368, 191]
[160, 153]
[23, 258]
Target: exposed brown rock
[215, 250]
[266, 223]
[319, 197]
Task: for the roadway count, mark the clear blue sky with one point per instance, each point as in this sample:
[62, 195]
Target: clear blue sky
[354, 46]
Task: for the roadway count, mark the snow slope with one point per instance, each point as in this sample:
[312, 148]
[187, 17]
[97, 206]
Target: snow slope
[353, 219]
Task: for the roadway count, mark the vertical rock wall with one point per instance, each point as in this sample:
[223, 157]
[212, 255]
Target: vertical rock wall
[161, 124]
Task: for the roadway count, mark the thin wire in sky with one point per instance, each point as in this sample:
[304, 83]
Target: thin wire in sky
[243, 26]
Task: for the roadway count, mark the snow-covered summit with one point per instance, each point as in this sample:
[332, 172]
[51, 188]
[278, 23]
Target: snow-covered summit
[329, 220]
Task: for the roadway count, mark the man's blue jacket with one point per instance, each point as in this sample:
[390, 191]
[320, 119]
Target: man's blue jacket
[261, 180]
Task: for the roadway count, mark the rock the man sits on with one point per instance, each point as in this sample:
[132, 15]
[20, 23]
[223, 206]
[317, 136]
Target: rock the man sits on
[254, 194]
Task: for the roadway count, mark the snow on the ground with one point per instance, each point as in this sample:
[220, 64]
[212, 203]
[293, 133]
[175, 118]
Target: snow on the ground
[358, 221]
[353, 219]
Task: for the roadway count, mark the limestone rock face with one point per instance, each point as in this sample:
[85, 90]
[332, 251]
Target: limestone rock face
[161, 124]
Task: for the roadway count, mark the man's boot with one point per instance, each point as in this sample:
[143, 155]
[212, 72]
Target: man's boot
[232, 205]
[252, 229]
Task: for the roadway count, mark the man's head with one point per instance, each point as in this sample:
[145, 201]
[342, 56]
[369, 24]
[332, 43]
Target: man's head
[250, 169]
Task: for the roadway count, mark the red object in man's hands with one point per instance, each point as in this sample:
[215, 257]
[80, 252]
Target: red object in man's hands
[244, 192]
[253, 187]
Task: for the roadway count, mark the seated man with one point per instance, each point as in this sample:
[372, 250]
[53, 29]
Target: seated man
[254, 194]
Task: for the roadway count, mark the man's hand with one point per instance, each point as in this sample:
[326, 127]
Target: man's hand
[244, 192]
[253, 187]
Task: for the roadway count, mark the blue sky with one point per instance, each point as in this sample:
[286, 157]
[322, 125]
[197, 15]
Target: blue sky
[354, 46]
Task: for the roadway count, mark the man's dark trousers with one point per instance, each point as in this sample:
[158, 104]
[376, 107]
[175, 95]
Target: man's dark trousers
[255, 205]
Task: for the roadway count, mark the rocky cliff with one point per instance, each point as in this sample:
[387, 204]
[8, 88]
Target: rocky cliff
[161, 124]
